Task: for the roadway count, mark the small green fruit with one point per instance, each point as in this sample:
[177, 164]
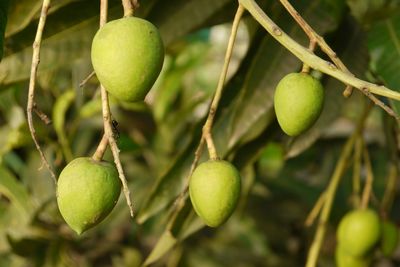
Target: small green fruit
[359, 231]
[87, 191]
[127, 56]
[298, 102]
[345, 260]
[214, 190]
[389, 238]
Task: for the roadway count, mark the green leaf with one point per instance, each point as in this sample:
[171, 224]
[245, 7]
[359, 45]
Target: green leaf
[164, 244]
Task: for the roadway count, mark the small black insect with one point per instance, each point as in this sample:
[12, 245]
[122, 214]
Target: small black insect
[115, 129]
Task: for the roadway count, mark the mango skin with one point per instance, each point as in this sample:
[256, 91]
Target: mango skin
[345, 260]
[127, 56]
[214, 190]
[298, 102]
[359, 232]
[389, 238]
[87, 191]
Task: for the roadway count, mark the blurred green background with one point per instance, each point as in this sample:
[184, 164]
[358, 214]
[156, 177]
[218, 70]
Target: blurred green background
[282, 177]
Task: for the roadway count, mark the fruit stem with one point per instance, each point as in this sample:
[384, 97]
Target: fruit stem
[391, 188]
[129, 7]
[314, 37]
[316, 210]
[32, 81]
[318, 63]
[108, 130]
[220, 86]
[357, 172]
[207, 126]
[330, 192]
[101, 148]
[369, 181]
[311, 47]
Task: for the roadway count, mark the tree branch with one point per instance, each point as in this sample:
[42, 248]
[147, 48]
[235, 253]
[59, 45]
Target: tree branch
[314, 61]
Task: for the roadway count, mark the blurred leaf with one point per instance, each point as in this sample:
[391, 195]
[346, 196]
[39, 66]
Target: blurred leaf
[191, 15]
[15, 191]
[164, 244]
[384, 48]
[21, 13]
[3, 22]
[14, 134]
[59, 113]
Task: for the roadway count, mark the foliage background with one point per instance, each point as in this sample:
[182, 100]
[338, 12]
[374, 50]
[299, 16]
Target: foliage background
[282, 177]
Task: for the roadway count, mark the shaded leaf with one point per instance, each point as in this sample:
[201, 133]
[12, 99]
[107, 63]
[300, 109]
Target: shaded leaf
[15, 191]
[3, 22]
[59, 113]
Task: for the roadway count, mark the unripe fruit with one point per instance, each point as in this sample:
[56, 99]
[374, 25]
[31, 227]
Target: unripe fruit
[87, 191]
[214, 190]
[345, 260]
[389, 238]
[298, 102]
[127, 56]
[359, 231]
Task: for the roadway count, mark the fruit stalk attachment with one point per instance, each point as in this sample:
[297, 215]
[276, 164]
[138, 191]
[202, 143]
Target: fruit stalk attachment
[129, 7]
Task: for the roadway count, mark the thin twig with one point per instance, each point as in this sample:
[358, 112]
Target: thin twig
[315, 247]
[108, 131]
[379, 103]
[315, 210]
[32, 82]
[391, 189]
[357, 171]
[84, 81]
[311, 47]
[180, 201]
[221, 82]
[315, 37]
[312, 60]
[43, 116]
[369, 181]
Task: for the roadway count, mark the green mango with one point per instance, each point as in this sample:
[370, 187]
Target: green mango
[298, 102]
[127, 56]
[214, 190]
[343, 259]
[87, 191]
[359, 232]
